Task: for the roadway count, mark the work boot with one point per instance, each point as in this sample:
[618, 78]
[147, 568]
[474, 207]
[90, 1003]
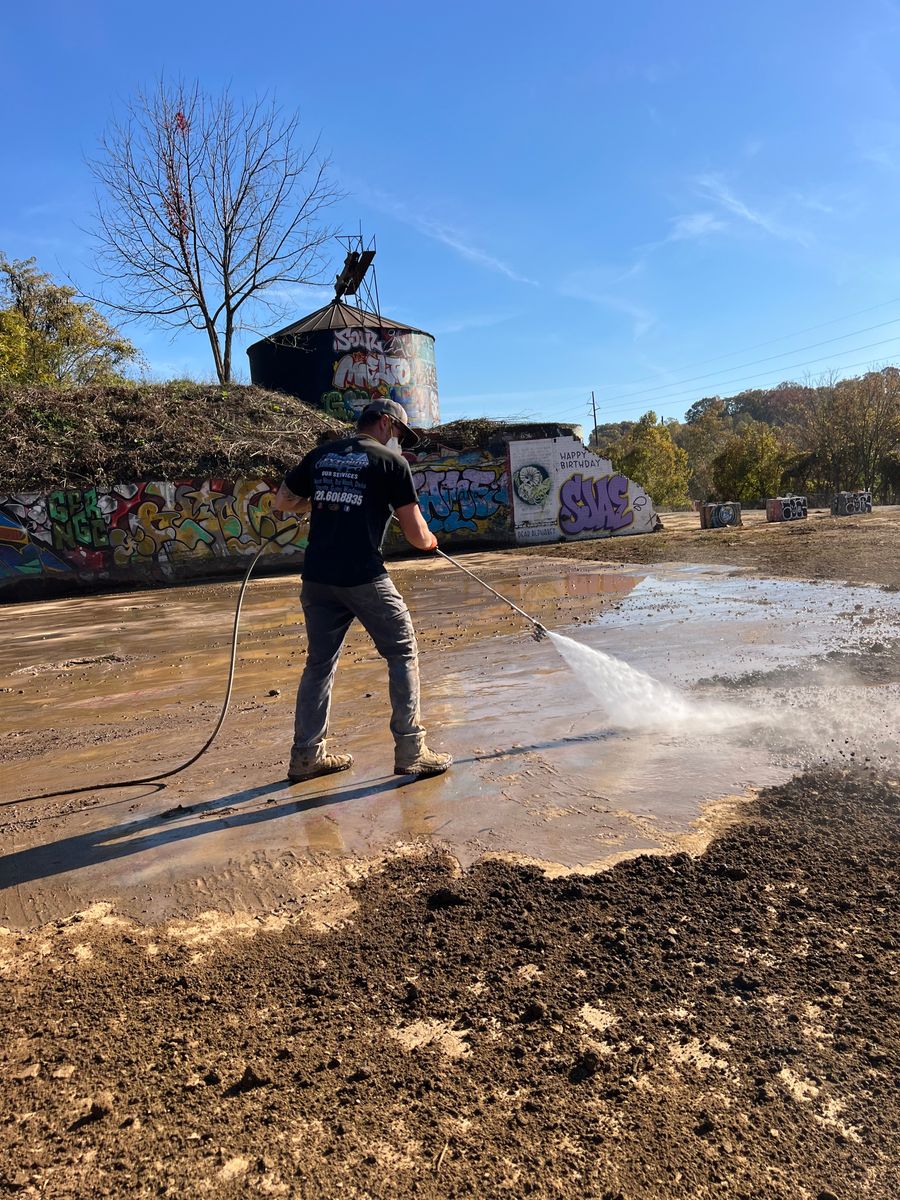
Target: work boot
[414, 758]
[307, 764]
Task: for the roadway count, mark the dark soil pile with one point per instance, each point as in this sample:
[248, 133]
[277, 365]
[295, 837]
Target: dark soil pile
[718, 1027]
[101, 435]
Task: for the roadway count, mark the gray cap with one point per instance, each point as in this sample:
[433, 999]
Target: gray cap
[376, 408]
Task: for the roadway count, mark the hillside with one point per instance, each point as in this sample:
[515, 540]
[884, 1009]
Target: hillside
[98, 435]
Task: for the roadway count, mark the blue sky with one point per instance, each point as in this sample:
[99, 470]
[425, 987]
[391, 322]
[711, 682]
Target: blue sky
[658, 201]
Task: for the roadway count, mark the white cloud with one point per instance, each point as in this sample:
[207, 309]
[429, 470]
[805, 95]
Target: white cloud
[693, 227]
[469, 321]
[713, 187]
[594, 284]
[448, 235]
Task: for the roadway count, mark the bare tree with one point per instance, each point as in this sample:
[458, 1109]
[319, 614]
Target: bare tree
[206, 203]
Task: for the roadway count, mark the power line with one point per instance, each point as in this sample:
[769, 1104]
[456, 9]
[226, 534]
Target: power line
[771, 342]
[844, 367]
[757, 361]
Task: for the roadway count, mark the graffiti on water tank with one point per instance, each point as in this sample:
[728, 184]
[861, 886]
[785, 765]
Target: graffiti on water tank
[383, 364]
[588, 504]
[457, 497]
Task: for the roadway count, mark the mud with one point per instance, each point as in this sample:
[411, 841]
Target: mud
[851, 549]
[361, 987]
[674, 1027]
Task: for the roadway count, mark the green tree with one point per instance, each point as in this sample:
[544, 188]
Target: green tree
[648, 455]
[750, 466]
[703, 438]
[48, 336]
[13, 344]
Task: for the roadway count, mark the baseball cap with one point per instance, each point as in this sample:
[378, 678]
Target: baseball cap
[376, 408]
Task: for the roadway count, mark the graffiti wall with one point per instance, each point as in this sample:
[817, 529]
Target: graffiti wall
[463, 497]
[561, 491]
[146, 531]
[466, 495]
[162, 532]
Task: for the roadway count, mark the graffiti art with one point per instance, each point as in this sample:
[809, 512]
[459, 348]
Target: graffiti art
[532, 483]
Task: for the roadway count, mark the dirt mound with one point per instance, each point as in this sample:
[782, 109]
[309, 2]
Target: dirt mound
[92, 436]
[673, 1027]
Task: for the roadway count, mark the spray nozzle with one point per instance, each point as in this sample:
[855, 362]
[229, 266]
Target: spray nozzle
[539, 632]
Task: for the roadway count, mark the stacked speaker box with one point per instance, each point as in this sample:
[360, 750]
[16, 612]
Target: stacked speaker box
[720, 516]
[786, 508]
[851, 504]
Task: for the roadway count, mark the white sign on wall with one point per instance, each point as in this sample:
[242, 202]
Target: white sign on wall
[562, 491]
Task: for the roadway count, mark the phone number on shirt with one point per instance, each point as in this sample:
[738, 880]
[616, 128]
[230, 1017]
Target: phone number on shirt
[333, 497]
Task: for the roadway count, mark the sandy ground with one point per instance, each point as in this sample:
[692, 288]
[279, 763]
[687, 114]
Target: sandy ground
[720, 1023]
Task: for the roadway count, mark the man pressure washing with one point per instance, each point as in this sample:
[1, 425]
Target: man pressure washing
[351, 488]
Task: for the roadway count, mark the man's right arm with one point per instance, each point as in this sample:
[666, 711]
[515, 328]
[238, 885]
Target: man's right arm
[287, 501]
[415, 530]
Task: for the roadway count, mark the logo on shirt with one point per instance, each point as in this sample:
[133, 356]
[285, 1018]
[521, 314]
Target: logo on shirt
[337, 482]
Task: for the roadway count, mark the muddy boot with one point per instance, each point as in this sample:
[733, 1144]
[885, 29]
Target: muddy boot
[307, 764]
[413, 757]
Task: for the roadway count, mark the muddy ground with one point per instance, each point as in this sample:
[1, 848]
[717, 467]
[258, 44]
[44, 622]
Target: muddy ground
[853, 549]
[724, 1025]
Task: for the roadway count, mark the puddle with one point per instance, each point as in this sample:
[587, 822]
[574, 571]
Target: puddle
[543, 770]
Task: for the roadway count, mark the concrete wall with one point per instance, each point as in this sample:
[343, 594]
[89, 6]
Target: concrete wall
[564, 492]
[74, 539]
[154, 532]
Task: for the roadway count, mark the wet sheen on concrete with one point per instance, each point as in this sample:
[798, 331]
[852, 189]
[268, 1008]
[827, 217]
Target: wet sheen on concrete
[104, 688]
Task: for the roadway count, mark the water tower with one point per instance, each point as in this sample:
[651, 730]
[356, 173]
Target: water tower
[340, 357]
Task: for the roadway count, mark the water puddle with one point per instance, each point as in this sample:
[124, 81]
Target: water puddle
[658, 695]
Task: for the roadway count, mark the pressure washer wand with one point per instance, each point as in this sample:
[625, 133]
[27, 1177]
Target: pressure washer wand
[538, 629]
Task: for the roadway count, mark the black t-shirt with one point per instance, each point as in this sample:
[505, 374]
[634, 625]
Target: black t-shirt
[354, 485]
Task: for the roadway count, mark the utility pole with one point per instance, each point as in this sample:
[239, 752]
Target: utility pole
[593, 437]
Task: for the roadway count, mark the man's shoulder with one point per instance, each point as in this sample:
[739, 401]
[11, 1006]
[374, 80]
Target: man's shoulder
[340, 448]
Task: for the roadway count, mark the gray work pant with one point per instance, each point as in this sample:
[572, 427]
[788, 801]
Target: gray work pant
[329, 613]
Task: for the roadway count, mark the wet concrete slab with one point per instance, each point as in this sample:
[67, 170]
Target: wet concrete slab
[103, 688]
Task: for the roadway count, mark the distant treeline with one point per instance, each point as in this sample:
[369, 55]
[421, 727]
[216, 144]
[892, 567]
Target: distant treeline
[841, 435]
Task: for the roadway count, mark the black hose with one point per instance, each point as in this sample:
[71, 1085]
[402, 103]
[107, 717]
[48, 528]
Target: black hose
[95, 787]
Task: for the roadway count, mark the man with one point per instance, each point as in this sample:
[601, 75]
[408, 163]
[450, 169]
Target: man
[351, 487]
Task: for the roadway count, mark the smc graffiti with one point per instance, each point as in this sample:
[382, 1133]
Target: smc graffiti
[589, 505]
[454, 497]
[562, 489]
